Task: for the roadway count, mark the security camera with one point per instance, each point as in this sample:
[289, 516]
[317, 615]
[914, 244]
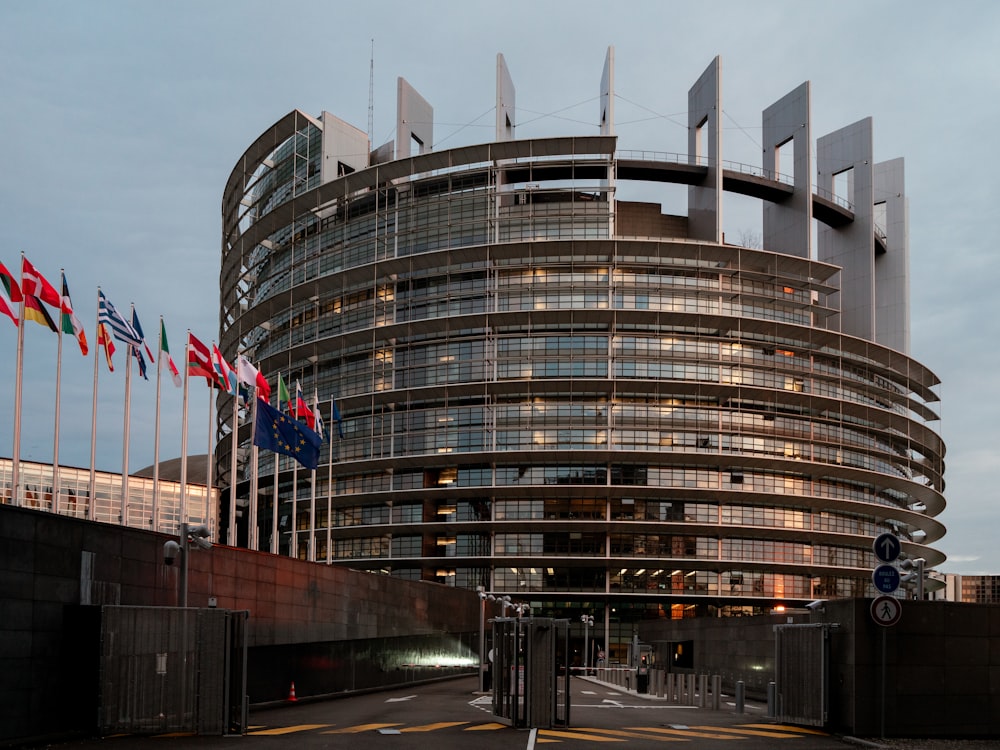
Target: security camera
[170, 551]
[816, 605]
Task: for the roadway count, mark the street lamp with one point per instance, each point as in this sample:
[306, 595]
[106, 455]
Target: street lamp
[588, 622]
[196, 535]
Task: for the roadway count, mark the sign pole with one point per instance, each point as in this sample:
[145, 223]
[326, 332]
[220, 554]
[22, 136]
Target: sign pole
[882, 702]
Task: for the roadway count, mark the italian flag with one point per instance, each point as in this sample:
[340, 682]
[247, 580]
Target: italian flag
[165, 359]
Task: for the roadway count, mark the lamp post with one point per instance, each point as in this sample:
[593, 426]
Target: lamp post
[588, 621]
[197, 535]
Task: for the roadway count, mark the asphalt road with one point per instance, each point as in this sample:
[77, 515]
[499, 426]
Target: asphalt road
[450, 715]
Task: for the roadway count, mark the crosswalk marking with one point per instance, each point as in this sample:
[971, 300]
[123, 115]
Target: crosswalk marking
[432, 727]
[752, 732]
[359, 728]
[786, 728]
[685, 733]
[289, 730]
[576, 735]
[492, 725]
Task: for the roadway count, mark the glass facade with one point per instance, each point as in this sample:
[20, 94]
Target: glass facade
[525, 395]
[154, 506]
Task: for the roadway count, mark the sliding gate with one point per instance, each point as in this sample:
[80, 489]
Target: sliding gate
[173, 669]
[531, 674]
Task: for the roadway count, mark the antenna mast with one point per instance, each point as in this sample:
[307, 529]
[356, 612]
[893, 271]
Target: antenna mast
[371, 97]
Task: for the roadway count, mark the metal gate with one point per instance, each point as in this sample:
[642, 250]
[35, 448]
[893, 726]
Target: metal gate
[171, 669]
[531, 671]
[802, 668]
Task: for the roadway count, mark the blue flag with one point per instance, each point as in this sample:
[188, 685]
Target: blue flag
[282, 434]
[120, 328]
[336, 419]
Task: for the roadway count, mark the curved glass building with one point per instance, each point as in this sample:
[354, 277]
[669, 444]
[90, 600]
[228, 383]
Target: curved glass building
[586, 403]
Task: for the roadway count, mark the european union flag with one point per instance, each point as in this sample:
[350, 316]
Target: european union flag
[282, 434]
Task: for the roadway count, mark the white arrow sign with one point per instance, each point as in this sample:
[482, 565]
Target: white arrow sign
[398, 700]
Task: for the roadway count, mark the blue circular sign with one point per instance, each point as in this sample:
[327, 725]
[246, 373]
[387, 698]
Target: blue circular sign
[886, 547]
[886, 578]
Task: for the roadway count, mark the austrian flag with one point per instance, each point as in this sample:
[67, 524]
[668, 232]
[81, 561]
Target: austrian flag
[199, 360]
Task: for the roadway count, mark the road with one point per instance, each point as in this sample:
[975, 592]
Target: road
[450, 715]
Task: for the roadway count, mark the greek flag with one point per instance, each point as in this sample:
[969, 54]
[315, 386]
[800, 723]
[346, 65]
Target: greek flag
[120, 328]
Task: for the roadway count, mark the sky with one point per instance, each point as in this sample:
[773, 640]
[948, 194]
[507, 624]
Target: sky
[123, 119]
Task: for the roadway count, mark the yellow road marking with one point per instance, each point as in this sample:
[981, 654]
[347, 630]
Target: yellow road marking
[493, 725]
[432, 727]
[575, 736]
[359, 728]
[786, 728]
[637, 735]
[752, 732]
[685, 733]
[289, 730]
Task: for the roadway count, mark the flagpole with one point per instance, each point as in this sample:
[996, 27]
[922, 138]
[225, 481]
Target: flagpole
[275, 545]
[16, 447]
[252, 530]
[312, 498]
[209, 514]
[329, 493]
[233, 435]
[55, 439]
[123, 517]
[91, 511]
[156, 434]
[184, 430]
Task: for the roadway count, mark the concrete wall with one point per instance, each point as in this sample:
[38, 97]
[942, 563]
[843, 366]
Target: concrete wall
[50, 565]
[942, 664]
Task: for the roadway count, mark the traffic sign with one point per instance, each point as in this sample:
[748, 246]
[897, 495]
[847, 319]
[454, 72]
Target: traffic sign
[886, 610]
[886, 547]
[886, 578]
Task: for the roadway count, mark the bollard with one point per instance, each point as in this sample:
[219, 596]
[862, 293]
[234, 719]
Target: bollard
[772, 703]
[702, 690]
[716, 692]
[689, 689]
[740, 696]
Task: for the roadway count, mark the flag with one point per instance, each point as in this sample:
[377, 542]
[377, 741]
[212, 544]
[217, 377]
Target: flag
[71, 324]
[302, 412]
[284, 400]
[225, 373]
[141, 360]
[104, 342]
[250, 375]
[280, 433]
[199, 360]
[10, 284]
[116, 325]
[34, 283]
[35, 310]
[336, 418]
[320, 427]
[166, 359]
[7, 305]
[138, 330]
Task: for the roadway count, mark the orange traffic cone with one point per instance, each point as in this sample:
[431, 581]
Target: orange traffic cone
[291, 693]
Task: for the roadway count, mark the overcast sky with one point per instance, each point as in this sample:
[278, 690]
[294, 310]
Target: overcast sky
[121, 122]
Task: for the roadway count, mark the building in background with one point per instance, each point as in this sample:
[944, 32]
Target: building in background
[591, 404]
[153, 504]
